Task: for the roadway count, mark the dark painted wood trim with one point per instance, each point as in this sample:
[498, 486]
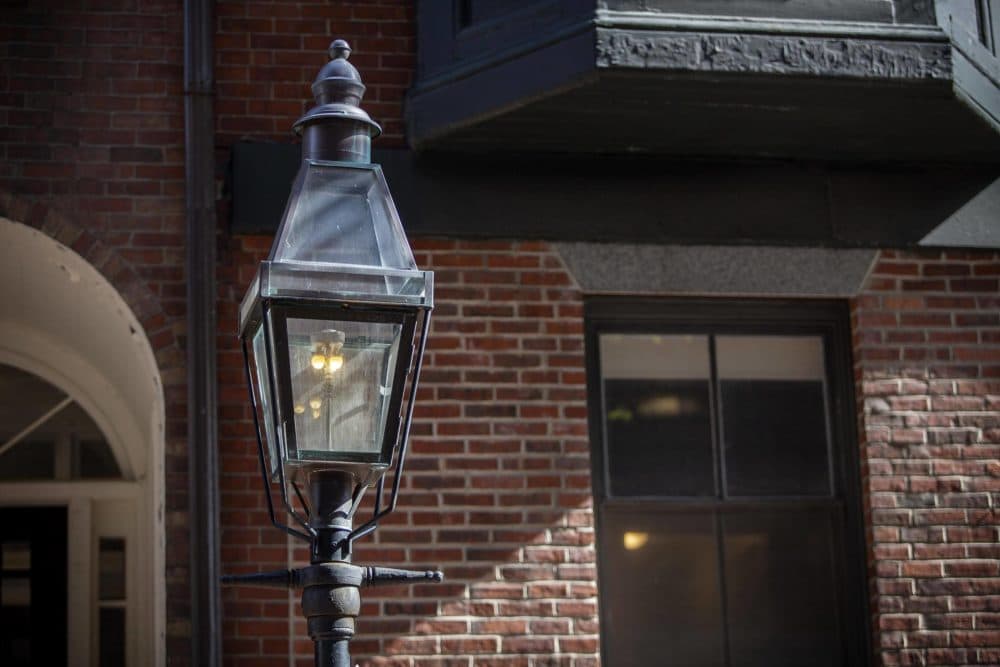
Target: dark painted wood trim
[628, 199]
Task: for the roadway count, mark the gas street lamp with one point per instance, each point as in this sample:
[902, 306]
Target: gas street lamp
[333, 330]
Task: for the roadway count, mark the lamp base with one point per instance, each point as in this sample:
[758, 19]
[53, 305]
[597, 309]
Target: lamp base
[331, 599]
[331, 596]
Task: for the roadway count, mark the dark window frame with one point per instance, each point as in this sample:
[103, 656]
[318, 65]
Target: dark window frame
[720, 316]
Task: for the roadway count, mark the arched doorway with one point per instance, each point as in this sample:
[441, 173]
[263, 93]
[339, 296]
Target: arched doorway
[81, 458]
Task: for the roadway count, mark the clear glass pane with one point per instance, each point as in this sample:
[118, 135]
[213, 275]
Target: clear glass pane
[781, 599]
[258, 362]
[343, 214]
[111, 564]
[15, 556]
[54, 442]
[24, 397]
[342, 377]
[95, 460]
[657, 415]
[28, 460]
[663, 603]
[112, 637]
[774, 421]
[15, 592]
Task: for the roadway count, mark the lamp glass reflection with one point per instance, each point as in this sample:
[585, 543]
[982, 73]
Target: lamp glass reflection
[342, 374]
[264, 396]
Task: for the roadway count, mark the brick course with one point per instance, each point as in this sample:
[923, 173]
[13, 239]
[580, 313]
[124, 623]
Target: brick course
[927, 351]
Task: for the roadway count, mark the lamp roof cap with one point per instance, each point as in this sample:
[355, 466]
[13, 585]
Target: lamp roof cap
[338, 90]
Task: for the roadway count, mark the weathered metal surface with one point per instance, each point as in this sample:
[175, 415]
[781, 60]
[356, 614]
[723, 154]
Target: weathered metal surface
[853, 10]
[202, 397]
[773, 54]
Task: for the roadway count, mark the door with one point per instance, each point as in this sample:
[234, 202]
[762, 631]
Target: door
[33, 586]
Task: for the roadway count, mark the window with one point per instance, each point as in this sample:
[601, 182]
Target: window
[727, 502]
[46, 435]
[111, 601]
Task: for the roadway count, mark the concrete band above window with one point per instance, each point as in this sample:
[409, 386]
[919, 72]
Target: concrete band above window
[717, 270]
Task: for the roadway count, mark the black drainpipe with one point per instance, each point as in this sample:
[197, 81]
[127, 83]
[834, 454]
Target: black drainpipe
[203, 490]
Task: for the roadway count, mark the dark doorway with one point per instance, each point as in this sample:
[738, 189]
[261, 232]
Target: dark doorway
[33, 586]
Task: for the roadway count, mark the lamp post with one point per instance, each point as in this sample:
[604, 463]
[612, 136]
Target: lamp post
[333, 330]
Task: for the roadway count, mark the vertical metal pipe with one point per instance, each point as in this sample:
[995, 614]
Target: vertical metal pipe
[330, 609]
[203, 499]
[332, 653]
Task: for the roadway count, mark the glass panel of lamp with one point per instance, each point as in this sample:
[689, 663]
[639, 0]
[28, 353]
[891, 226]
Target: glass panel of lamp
[341, 385]
[263, 392]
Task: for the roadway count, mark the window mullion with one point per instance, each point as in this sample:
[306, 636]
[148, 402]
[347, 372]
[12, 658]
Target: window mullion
[715, 411]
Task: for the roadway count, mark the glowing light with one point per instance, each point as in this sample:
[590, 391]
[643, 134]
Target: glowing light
[633, 540]
[299, 409]
[315, 403]
[334, 363]
[318, 361]
[315, 414]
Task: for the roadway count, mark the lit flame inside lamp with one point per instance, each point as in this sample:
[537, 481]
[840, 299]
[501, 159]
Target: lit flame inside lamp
[327, 354]
[634, 540]
[327, 358]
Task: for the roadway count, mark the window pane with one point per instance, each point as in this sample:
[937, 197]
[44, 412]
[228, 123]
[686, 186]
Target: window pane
[111, 561]
[48, 426]
[15, 592]
[773, 415]
[657, 415]
[24, 397]
[112, 637]
[15, 556]
[661, 604]
[28, 459]
[96, 460]
[780, 595]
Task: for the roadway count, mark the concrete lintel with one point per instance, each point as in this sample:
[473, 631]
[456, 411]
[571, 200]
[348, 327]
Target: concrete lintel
[717, 270]
[975, 225]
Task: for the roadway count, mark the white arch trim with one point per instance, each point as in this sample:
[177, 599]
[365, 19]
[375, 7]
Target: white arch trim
[86, 385]
[63, 321]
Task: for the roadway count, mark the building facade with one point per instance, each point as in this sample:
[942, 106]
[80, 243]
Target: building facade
[714, 369]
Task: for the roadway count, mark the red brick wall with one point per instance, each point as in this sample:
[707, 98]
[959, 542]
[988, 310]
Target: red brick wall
[927, 350]
[497, 490]
[268, 53]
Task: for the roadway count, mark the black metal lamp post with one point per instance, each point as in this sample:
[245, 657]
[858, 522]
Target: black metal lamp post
[333, 330]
